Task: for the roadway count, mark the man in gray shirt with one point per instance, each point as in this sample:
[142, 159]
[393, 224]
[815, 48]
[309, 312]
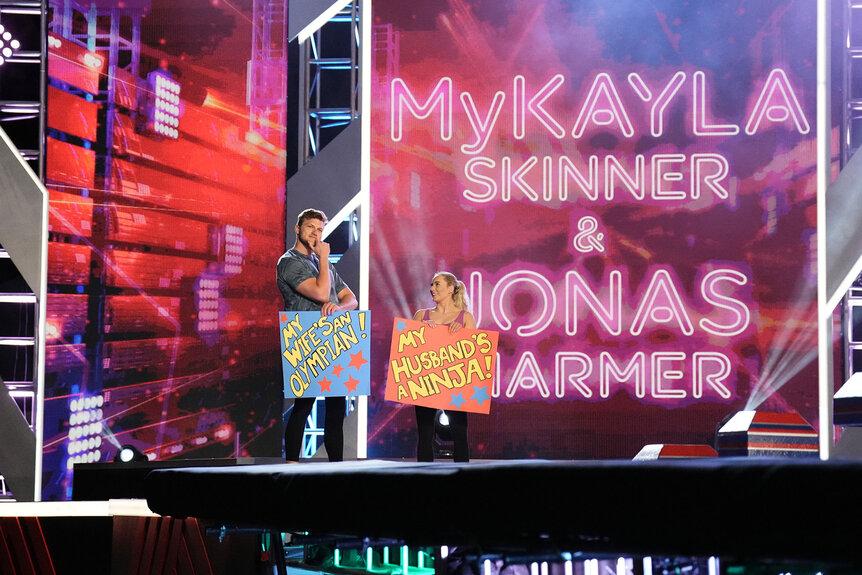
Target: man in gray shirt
[308, 282]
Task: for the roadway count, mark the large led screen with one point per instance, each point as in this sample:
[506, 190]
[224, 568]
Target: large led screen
[165, 165]
[628, 190]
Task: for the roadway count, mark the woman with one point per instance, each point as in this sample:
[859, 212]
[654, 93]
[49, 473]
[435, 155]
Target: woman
[450, 312]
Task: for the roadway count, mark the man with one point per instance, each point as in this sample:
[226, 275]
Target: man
[308, 282]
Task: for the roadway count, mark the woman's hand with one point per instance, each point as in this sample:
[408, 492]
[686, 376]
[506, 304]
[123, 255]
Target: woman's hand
[454, 326]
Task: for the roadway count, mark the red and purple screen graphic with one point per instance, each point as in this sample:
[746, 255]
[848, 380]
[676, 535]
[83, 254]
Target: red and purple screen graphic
[165, 165]
[627, 190]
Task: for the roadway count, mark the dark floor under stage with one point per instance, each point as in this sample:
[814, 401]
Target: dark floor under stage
[787, 508]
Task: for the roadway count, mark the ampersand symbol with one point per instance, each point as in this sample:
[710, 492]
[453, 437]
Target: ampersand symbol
[587, 239]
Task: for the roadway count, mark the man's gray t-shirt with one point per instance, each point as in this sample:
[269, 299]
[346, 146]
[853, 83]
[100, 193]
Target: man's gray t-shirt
[294, 268]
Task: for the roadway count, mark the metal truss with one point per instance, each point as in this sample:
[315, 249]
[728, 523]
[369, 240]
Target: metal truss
[266, 96]
[850, 141]
[329, 80]
[22, 339]
[852, 80]
[22, 83]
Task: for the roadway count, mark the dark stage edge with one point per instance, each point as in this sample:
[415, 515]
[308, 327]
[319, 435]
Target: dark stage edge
[757, 508]
[103, 481]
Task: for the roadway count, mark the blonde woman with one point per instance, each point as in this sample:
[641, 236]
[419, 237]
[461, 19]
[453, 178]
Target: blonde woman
[450, 312]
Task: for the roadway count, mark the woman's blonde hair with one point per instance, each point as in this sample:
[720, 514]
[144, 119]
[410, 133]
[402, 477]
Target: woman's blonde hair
[459, 296]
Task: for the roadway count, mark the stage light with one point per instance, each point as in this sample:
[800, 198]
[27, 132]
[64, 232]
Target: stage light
[749, 433]
[443, 433]
[84, 441]
[670, 451]
[130, 454]
[164, 108]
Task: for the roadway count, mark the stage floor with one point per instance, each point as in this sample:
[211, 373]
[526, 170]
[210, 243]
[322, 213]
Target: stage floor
[758, 508]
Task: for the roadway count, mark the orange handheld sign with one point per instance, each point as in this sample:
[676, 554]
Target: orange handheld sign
[431, 367]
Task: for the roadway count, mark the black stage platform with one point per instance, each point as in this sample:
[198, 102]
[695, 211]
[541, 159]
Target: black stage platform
[104, 481]
[758, 508]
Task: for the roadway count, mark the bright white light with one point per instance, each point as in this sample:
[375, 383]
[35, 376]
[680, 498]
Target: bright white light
[444, 552]
[166, 110]
[92, 61]
[647, 565]
[322, 19]
[487, 567]
[740, 421]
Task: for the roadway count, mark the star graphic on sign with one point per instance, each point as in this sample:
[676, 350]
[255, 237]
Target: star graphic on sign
[480, 395]
[400, 325]
[457, 400]
[336, 370]
[357, 361]
[325, 383]
[351, 385]
[282, 317]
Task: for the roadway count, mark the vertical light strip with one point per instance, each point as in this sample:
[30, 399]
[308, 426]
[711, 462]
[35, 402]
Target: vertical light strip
[824, 168]
[42, 314]
[42, 309]
[365, 200]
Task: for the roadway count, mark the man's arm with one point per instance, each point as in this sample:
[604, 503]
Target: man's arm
[318, 288]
